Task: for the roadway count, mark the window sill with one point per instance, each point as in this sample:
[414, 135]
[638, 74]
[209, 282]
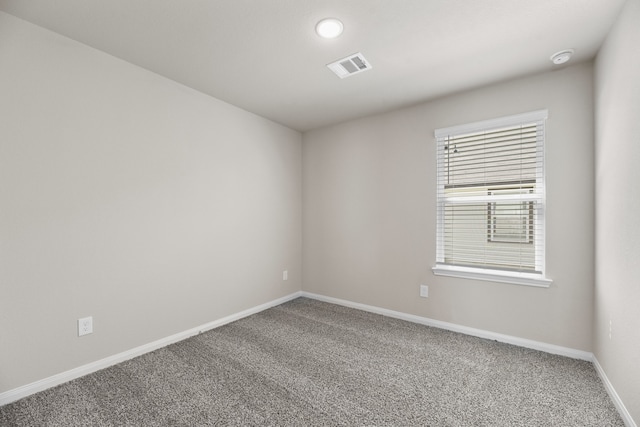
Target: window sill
[526, 279]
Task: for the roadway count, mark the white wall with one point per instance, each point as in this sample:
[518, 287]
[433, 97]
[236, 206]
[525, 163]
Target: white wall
[130, 198]
[369, 213]
[618, 208]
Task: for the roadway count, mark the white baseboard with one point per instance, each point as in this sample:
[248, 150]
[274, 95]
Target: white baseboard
[509, 339]
[37, 386]
[535, 345]
[622, 410]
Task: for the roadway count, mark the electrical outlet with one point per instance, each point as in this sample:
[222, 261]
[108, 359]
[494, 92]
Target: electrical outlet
[85, 326]
[424, 291]
[285, 275]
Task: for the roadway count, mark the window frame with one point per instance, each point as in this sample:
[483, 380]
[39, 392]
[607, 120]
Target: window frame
[533, 278]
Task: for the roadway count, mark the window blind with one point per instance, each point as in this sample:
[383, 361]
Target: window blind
[491, 194]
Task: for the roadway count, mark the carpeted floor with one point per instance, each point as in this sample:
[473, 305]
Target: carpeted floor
[309, 363]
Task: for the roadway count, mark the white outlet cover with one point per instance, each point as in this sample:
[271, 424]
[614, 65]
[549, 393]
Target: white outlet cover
[424, 291]
[285, 275]
[85, 326]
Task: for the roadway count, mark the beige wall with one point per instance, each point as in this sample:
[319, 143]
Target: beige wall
[618, 208]
[135, 200]
[369, 213]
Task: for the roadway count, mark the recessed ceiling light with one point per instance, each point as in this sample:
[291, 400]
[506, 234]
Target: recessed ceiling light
[329, 28]
[562, 56]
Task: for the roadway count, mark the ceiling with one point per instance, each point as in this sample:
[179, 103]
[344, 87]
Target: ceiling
[264, 56]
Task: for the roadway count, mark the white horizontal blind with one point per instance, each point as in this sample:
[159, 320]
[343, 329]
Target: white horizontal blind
[491, 194]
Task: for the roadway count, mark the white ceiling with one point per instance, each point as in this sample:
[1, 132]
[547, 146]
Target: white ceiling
[264, 56]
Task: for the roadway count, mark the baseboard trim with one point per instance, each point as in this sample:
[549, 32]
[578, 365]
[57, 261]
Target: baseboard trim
[508, 339]
[63, 377]
[41, 385]
[622, 410]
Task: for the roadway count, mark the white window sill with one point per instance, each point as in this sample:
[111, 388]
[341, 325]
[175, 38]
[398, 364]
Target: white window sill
[515, 278]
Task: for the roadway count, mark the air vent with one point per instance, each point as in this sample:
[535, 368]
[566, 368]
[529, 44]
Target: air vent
[352, 64]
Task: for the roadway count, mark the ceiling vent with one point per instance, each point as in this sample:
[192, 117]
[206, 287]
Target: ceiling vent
[352, 64]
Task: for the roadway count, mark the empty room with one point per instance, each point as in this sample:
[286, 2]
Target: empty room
[320, 212]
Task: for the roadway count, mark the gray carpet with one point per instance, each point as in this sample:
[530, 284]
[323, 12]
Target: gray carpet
[309, 363]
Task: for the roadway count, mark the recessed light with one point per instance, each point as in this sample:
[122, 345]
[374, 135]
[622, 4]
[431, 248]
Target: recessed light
[329, 28]
[562, 56]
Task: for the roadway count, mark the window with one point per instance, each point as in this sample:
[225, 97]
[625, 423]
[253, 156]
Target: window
[491, 200]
